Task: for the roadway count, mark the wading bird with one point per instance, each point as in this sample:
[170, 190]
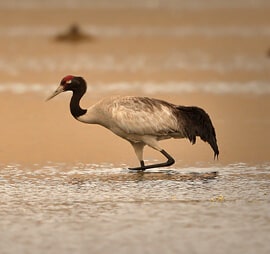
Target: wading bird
[141, 120]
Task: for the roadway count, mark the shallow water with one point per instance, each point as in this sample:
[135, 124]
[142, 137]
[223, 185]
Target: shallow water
[59, 208]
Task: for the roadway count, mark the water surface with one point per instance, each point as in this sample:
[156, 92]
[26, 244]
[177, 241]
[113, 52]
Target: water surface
[59, 208]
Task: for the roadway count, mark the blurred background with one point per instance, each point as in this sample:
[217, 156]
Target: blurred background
[213, 53]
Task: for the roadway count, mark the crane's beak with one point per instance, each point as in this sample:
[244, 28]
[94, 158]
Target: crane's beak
[59, 90]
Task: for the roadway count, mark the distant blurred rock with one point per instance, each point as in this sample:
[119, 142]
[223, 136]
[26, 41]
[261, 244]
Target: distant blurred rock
[268, 53]
[73, 35]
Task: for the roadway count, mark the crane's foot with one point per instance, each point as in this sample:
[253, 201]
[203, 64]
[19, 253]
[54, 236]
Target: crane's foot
[141, 168]
[159, 165]
[168, 163]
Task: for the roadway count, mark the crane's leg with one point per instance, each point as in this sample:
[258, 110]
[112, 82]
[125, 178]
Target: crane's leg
[138, 147]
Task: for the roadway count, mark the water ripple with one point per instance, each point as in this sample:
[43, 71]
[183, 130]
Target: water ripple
[60, 208]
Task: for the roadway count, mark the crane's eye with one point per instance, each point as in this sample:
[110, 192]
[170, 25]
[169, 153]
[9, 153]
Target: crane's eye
[69, 81]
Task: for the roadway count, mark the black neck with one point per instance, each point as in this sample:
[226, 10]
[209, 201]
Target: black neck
[75, 108]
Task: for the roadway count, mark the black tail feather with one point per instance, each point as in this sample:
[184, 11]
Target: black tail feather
[196, 122]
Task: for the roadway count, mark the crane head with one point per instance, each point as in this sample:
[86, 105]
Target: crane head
[69, 83]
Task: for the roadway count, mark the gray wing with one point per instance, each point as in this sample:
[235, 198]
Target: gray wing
[144, 116]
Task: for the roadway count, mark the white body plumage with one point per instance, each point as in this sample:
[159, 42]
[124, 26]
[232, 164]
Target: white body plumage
[133, 118]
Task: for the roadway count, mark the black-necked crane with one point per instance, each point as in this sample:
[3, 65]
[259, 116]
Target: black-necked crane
[141, 120]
